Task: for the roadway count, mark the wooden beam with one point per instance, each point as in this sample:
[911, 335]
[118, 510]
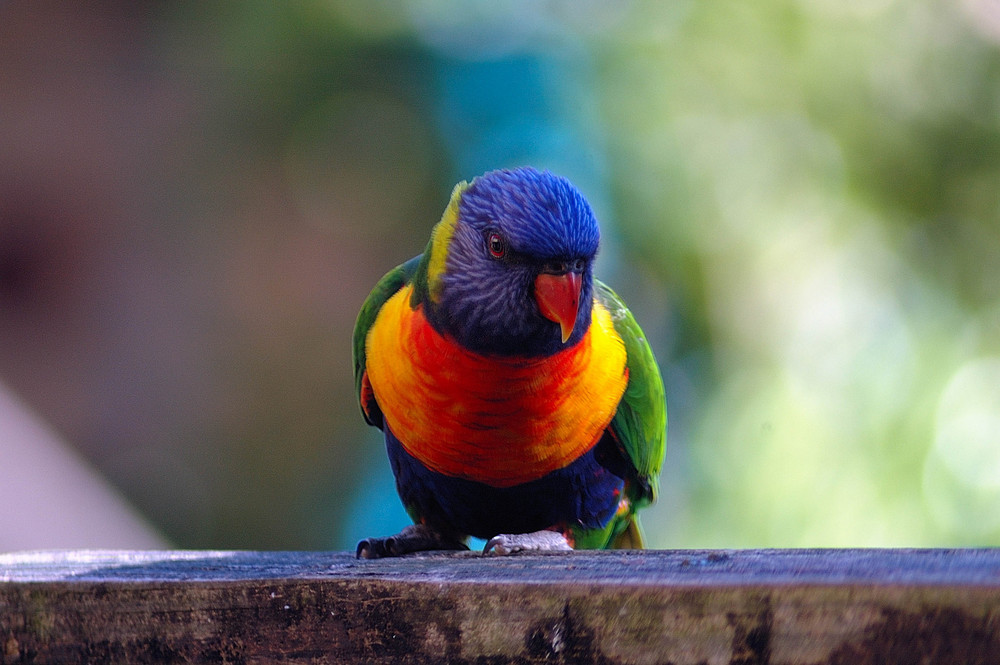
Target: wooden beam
[762, 606]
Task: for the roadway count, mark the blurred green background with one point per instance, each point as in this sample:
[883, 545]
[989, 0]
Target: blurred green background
[800, 200]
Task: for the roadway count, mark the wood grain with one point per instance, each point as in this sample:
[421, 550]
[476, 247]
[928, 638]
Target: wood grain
[746, 606]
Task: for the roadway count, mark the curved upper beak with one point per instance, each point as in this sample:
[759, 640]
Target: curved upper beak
[558, 297]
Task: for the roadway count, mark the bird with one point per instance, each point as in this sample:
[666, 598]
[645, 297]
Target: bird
[519, 399]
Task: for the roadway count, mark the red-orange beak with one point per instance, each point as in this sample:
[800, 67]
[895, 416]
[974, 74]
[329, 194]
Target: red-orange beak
[558, 297]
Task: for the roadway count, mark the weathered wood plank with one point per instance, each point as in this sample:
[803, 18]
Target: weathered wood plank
[773, 606]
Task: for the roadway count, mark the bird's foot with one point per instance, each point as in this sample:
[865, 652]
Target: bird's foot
[414, 538]
[539, 541]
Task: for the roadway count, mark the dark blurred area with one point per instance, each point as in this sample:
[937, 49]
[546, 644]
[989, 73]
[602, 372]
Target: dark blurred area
[800, 199]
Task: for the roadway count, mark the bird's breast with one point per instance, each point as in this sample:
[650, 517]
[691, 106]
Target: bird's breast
[496, 420]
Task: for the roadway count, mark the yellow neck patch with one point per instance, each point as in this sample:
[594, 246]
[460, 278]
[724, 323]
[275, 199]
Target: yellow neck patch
[499, 421]
[440, 238]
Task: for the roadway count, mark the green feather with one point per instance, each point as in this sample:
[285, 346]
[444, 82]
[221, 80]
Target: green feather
[386, 287]
[640, 424]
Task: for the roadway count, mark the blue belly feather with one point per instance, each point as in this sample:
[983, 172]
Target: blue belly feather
[584, 493]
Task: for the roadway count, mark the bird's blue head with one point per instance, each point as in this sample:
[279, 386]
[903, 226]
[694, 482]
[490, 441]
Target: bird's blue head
[509, 265]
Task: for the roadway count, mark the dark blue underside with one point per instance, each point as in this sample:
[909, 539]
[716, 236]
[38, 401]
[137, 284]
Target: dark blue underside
[585, 493]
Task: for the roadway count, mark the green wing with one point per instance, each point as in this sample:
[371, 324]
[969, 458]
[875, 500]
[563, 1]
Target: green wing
[640, 424]
[386, 287]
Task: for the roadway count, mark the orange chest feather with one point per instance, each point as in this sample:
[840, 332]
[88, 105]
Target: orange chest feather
[500, 421]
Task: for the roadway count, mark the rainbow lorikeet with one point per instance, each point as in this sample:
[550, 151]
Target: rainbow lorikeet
[519, 398]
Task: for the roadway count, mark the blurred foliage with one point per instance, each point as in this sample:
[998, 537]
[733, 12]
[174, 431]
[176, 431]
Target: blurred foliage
[799, 199]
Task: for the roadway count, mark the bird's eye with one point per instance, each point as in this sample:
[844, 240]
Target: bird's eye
[496, 245]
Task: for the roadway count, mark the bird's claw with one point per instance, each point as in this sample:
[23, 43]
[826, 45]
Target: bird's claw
[377, 548]
[414, 538]
[539, 541]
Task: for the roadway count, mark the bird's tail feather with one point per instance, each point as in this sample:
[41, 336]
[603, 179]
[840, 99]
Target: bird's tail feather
[631, 538]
